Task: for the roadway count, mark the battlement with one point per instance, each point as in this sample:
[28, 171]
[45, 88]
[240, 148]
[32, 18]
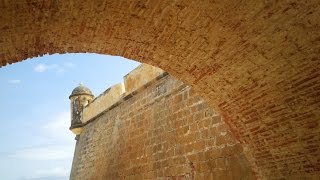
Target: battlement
[154, 123]
[132, 82]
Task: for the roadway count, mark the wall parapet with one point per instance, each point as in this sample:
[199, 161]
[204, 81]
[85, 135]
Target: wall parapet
[163, 126]
[135, 81]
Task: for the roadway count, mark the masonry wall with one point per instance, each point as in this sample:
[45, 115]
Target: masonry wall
[256, 62]
[163, 131]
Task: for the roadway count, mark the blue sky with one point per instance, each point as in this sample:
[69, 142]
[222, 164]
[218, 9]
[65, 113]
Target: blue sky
[34, 113]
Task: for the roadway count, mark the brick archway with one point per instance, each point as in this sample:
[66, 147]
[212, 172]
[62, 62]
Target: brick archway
[257, 63]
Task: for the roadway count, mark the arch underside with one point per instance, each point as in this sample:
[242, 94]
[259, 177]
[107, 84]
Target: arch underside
[255, 62]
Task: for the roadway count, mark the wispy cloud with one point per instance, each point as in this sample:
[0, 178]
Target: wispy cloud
[58, 128]
[50, 174]
[46, 153]
[60, 138]
[57, 68]
[59, 148]
[68, 64]
[44, 67]
[58, 171]
[14, 81]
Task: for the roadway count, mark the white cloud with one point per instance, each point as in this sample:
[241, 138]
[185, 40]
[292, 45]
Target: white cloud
[57, 171]
[58, 150]
[50, 174]
[61, 140]
[46, 153]
[57, 68]
[43, 67]
[68, 64]
[14, 81]
[40, 68]
[58, 128]
[58, 123]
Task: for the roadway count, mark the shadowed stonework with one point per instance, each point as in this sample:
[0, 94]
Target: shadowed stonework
[162, 130]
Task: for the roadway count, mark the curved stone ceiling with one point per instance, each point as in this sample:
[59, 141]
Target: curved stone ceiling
[256, 62]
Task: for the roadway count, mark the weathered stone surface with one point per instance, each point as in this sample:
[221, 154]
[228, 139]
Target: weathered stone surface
[164, 131]
[140, 76]
[103, 101]
[133, 81]
[80, 97]
[256, 62]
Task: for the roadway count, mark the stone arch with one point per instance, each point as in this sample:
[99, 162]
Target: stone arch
[256, 62]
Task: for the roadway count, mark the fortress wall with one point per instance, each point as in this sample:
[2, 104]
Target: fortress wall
[132, 81]
[140, 76]
[161, 130]
[103, 101]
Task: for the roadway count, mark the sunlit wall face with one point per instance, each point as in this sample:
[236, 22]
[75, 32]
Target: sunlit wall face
[35, 110]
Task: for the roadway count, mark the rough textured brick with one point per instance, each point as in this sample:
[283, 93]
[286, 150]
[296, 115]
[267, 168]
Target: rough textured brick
[255, 62]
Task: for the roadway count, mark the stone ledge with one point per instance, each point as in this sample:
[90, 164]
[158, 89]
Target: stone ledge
[125, 98]
[103, 101]
[140, 76]
[134, 81]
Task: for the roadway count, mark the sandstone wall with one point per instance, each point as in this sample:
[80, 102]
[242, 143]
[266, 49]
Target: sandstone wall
[163, 130]
[133, 81]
